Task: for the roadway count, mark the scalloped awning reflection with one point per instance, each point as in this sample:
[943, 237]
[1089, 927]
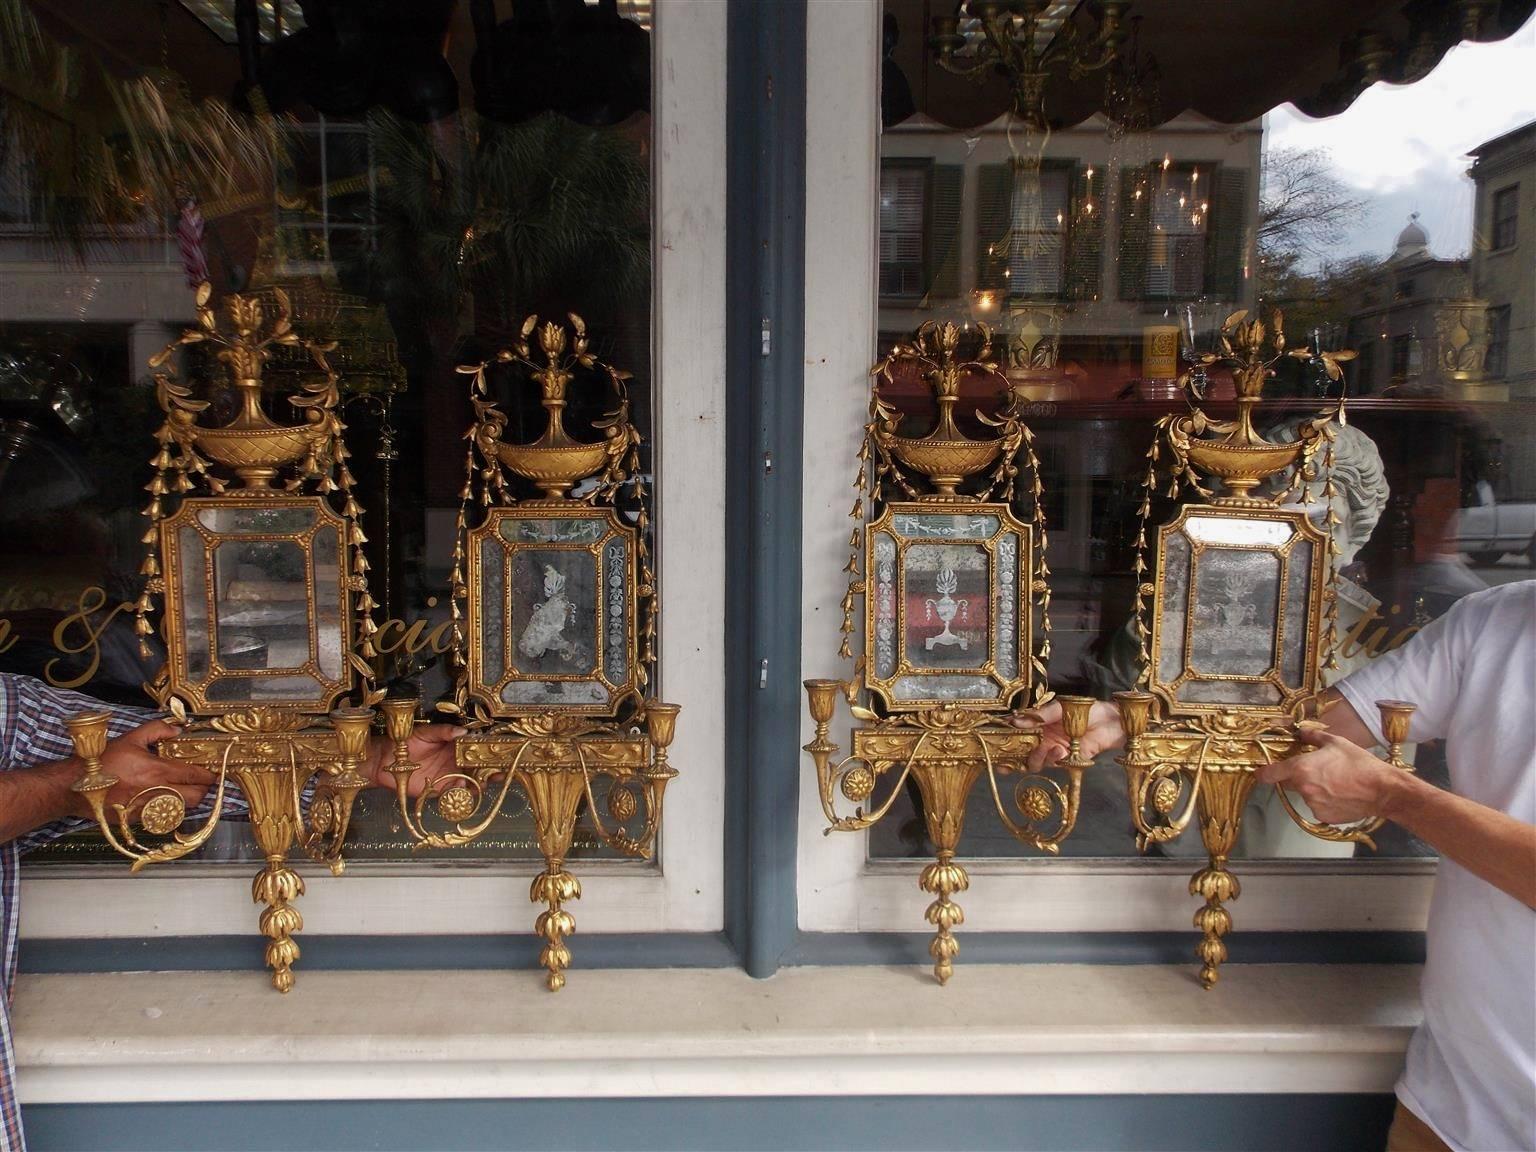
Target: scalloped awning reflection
[1231, 61]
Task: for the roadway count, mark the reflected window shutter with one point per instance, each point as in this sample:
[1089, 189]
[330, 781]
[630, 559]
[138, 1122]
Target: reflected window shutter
[994, 186]
[1135, 216]
[903, 229]
[1085, 241]
[944, 207]
[1226, 229]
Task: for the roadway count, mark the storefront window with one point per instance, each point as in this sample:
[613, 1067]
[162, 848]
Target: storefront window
[417, 182]
[1079, 237]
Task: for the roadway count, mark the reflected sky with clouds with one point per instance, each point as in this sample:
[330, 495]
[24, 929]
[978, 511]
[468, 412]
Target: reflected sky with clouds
[1405, 149]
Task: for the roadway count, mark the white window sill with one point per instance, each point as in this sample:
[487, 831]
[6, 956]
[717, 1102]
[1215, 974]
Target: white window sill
[995, 1030]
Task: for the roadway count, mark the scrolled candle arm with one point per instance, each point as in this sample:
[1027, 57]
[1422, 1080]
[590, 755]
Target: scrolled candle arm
[660, 725]
[1040, 797]
[329, 816]
[1151, 783]
[854, 776]
[163, 810]
[459, 796]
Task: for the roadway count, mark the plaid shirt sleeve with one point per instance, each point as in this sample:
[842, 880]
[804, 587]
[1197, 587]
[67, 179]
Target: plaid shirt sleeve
[32, 732]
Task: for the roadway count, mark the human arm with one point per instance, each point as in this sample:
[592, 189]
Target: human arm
[37, 795]
[1342, 719]
[1342, 783]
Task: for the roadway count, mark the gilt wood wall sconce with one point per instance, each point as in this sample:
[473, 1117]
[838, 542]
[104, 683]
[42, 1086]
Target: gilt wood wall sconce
[1242, 623]
[255, 554]
[554, 607]
[952, 581]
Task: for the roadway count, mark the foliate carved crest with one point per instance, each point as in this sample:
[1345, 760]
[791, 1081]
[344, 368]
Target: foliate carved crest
[556, 461]
[256, 449]
[260, 721]
[945, 457]
[1232, 451]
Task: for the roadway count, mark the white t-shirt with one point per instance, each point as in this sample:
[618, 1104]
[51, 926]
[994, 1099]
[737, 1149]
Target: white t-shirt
[1471, 1071]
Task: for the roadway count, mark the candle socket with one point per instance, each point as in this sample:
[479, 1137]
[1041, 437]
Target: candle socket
[822, 695]
[1396, 717]
[1075, 714]
[1135, 712]
[399, 718]
[352, 726]
[88, 733]
[661, 724]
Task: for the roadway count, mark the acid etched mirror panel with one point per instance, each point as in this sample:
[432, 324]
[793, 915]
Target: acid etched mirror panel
[555, 629]
[947, 618]
[261, 616]
[1236, 619]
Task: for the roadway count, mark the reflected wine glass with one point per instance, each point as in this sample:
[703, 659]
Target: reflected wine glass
[1320, 338]
[1197, 323]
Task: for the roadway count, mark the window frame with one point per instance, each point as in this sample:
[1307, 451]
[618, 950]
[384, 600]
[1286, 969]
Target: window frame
[683, 889]
[1496, 362]
[1401, 358]
[1512, 193]
[320, 132]
[1189, 170]
[1364, 367]
[1054, 167]
[839, 889]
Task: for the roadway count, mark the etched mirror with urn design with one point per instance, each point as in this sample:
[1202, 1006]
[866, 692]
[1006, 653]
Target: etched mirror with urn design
[554, 616]
[948, 554]
[256, 571]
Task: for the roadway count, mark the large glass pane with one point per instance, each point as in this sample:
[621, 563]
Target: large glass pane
[417, 187]
[1102, 223]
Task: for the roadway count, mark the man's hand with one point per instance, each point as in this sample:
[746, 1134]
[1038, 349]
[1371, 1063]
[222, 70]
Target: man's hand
[1340, 781]
[129, 759]
[430, 748]
[1104, 732]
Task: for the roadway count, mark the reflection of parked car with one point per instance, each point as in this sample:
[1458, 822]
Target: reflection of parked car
[1490, 529]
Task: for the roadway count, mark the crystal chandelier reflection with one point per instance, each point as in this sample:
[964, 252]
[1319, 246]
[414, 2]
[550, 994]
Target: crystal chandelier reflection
[1026, 41]
[1133, 89]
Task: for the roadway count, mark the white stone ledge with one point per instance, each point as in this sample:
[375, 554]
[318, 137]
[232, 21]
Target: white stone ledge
[995, 1030]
